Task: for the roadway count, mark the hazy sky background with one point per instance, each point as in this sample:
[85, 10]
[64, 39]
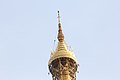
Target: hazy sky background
[28, 29]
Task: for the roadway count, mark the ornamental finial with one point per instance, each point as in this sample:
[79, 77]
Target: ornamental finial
[58, 17]
[60, 33]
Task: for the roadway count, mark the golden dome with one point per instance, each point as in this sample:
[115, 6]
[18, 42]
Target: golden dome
[62, 51]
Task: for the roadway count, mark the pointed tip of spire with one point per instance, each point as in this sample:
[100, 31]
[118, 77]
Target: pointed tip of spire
[58, 12]
[58, 17]
[60, 33]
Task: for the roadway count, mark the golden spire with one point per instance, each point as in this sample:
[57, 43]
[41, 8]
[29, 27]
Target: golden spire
[60, 33]
[62, 63]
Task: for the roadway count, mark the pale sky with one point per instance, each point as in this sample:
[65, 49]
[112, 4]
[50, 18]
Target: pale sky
[28, 29]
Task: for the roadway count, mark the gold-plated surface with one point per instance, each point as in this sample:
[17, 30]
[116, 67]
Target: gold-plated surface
[62, 63]
[60, 33]
[62, 51]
